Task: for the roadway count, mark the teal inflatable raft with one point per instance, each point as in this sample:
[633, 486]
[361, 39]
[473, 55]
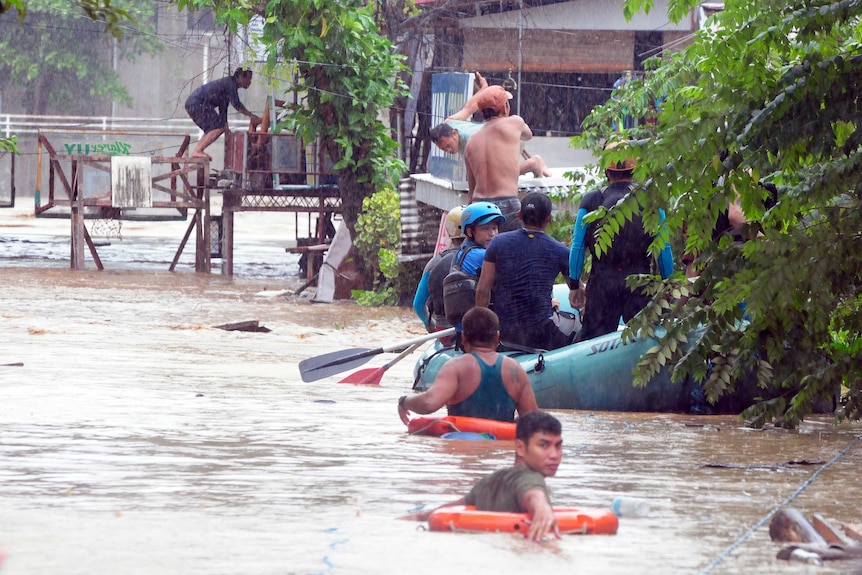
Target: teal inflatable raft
[597, 375]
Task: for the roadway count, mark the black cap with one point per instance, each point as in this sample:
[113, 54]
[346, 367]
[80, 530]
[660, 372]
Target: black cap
[535, 208]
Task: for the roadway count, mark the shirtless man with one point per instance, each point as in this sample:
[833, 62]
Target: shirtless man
[480, 383]
[492, 155]
[454, 133]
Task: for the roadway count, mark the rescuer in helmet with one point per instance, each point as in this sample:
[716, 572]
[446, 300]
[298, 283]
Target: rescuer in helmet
[428, 301]
[606, 297]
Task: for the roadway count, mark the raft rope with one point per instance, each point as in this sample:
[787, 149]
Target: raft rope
[724, 554]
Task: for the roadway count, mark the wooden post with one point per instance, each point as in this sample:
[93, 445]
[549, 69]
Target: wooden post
[77, 220]
[230, 198]
[203, 253]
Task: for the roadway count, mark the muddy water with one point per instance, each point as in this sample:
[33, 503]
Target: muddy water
[137, 438]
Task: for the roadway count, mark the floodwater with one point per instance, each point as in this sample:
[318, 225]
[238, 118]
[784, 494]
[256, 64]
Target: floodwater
[137, 438]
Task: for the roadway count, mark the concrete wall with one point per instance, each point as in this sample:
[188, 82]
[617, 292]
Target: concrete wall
[581, 15]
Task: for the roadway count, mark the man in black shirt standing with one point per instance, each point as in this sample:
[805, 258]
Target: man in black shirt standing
[207, 106]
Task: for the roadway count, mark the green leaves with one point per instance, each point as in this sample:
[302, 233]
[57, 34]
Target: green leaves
[9, 144]
[379, 235]
[768, 96]
[56, 55]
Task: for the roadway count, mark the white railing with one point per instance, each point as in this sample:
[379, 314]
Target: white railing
[20, 124]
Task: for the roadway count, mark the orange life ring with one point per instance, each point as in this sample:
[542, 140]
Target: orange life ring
[440, 425]
[586, 521]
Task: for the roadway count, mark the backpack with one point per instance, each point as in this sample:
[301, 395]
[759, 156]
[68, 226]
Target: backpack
[459, 290]
[435, 305]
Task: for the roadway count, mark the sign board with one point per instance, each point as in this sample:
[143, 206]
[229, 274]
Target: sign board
[443, 241]
[449, 93]
[131, 182]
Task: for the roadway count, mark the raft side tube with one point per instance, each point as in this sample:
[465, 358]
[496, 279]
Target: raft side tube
[583, 521]
[438, 426]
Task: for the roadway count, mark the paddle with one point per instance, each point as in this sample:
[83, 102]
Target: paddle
[321, 366]
[373, 375]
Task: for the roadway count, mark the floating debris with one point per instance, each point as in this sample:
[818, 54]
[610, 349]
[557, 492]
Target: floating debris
[813, 542]
[252, 325]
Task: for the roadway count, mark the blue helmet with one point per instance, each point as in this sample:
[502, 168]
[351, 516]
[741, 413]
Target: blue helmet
[479, 213]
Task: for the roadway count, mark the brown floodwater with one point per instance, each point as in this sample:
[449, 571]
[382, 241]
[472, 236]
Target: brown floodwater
[138, 438]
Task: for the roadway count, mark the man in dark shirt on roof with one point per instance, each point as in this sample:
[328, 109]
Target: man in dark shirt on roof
[207, 106]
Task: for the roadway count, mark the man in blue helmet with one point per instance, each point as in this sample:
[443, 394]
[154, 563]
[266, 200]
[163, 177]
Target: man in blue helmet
[480, 222]
[428, 301]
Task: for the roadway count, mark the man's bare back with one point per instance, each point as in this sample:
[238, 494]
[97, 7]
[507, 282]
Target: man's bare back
[493, 157]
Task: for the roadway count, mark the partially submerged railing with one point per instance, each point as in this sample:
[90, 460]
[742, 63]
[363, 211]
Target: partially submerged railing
[124, 183]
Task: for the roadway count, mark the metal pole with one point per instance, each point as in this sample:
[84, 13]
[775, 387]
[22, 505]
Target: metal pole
[520, 51]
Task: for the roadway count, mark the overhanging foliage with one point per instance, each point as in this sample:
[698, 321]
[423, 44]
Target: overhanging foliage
[769, 94]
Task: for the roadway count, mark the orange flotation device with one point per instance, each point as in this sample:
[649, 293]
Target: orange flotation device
[584, 521]
[438, 426]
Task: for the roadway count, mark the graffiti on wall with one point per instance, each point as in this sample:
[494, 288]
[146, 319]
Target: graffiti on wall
[101, 149]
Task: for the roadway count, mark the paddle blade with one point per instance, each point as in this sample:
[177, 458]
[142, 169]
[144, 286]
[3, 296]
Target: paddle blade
[367, 376]
[315, 368]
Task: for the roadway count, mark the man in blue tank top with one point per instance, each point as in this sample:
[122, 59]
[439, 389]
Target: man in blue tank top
[480, 383]
[521, 488]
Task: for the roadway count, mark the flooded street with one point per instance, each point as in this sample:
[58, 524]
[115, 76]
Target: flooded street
[138, 438]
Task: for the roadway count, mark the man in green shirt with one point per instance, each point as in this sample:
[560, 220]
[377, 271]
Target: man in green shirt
[521, 488]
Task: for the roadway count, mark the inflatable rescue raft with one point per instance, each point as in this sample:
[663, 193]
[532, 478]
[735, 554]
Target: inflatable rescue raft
[586, 521]
[438, 426]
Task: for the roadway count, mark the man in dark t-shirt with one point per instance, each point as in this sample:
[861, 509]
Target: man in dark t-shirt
[520, 269]
[207, 107]
[521, 488]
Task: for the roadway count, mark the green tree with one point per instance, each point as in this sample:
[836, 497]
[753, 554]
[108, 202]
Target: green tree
[112, 16]
[769, 94]
[344, 73]
[57, 55]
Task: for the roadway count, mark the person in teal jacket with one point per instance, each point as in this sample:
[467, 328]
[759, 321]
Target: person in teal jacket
[606, 297]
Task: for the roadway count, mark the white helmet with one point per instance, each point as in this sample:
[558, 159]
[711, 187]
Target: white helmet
[453, 223]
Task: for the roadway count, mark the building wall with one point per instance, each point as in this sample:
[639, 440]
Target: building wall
[160, 84]
[580, 15]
